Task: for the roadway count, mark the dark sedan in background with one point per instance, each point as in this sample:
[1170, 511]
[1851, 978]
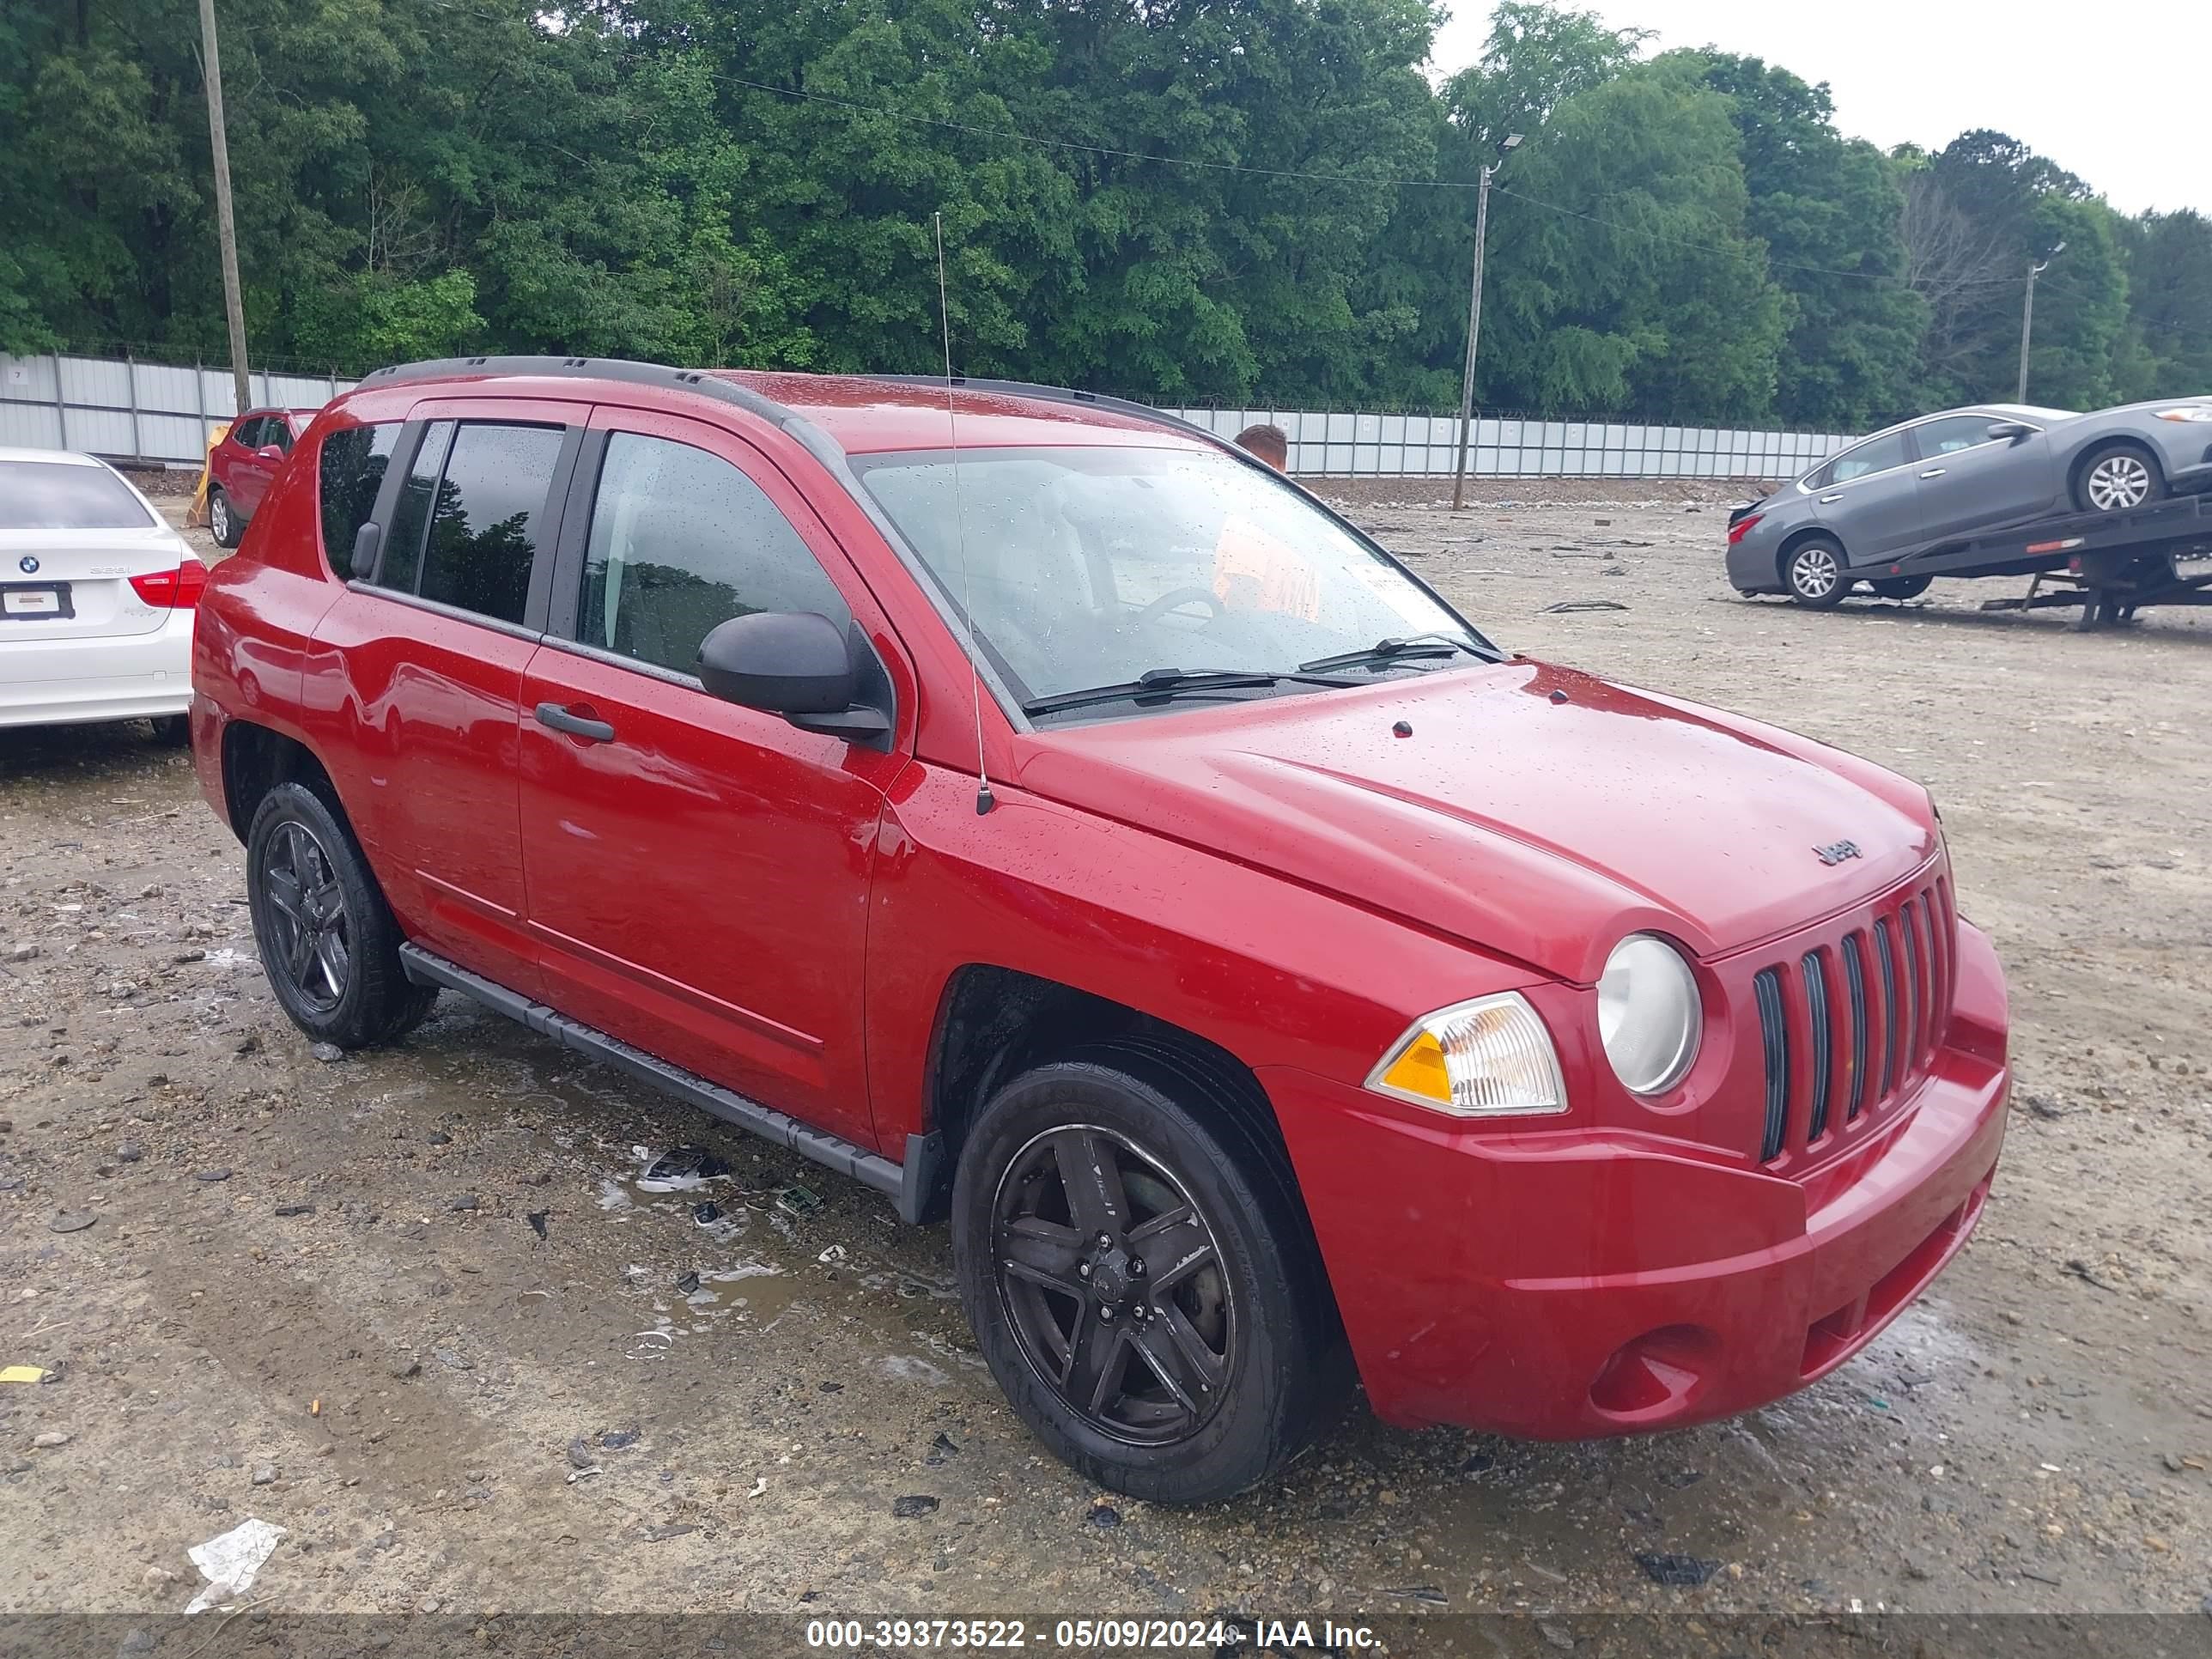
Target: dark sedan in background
[1963, 472]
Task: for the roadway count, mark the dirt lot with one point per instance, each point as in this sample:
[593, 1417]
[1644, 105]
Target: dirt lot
[314, 1293]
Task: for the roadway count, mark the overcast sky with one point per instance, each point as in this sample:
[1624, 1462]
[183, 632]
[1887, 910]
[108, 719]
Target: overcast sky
[2119, 93]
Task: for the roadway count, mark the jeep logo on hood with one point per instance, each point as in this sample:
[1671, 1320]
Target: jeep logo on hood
[1836, 851]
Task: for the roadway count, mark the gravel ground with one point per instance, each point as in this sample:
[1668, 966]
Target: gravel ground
[415, 1308]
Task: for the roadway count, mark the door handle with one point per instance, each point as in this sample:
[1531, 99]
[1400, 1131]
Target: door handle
[1934, 472]
[576, 725]
[1836, 496]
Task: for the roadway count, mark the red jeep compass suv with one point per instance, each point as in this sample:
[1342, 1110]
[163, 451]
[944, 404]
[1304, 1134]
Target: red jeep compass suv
[1047, 815]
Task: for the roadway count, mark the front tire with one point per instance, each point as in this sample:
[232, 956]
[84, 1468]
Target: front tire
[2118, 478]
[223, 522]
[1813, 573]
[1147, 1294]
[329, 943]
[1901, 588]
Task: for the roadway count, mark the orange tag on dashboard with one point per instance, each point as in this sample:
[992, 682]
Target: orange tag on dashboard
[1254, 571]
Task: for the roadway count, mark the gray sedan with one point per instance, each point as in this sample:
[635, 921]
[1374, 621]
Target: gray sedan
[1963, 472]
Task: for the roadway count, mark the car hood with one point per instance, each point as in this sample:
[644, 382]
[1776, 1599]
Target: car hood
[1535, 812]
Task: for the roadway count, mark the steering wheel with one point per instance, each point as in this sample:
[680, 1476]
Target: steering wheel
[1176, 600]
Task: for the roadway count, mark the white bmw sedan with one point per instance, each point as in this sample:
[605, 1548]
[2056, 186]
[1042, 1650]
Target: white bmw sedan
[97, 597]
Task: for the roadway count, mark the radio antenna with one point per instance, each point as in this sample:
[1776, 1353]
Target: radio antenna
[984, 800]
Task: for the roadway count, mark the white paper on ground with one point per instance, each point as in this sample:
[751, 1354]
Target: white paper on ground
[229, 1560]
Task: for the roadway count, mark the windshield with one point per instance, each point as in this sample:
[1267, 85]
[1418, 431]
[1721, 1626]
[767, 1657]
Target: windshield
[1093, 567]
[66, 495]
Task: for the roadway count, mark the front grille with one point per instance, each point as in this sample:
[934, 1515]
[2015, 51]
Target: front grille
[1848, 1028]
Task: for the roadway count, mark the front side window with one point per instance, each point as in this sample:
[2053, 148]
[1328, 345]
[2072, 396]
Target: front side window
[246, 435]
[348, 473]
[682, 541]
[1876, 455]
[66, 495]
[278, 432]
[1092, 567]
[1955, 432]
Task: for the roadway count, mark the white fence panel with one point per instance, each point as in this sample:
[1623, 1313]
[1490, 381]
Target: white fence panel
[159, 412]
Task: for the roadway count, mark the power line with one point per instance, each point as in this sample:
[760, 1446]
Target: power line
[855, 106]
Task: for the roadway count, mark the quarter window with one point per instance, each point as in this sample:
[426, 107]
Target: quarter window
[350, 470]
[682, 541]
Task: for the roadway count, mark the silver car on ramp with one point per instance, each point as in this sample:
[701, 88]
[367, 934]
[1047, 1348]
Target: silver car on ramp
[1963, 472]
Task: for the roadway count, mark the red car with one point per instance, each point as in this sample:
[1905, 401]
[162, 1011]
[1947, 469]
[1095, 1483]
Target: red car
[1042, 812]
[245, 464]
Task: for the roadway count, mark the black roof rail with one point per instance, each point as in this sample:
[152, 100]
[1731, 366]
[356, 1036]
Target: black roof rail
[1060, 394]
[701, 381]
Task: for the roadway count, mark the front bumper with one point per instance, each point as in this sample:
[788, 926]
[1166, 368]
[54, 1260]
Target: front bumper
[1569, 1284]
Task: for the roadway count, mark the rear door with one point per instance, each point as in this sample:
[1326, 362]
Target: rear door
[1970, 483]
[72, 535]
[419, 668]
[1869, 498]
[698, 872]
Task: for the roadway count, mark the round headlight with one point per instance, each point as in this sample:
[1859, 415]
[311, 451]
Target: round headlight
[1648, 1013]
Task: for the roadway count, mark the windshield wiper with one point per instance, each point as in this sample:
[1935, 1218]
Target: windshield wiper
[1158, 685]
[1413, 648]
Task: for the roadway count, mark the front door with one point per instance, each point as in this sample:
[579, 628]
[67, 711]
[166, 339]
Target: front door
[1970, 483]
[698, 872]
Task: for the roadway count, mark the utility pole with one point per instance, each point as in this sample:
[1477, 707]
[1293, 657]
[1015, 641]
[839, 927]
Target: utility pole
[2035, 269]
[1475, 316]
[225, 225]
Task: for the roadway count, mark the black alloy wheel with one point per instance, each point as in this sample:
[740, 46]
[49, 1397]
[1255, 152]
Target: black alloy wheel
[328, 941]
[1112, 1283]
[314, 937]
[1140, 1273]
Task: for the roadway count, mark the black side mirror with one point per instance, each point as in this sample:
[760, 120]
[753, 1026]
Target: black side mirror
[798, 664]
[365, 541]
[2010, 431]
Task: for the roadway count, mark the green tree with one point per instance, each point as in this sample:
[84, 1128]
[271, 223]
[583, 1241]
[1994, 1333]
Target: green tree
[1828, 209]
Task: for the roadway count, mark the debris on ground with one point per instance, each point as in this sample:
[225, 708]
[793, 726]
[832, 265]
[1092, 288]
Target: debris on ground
[23, 1374]
[913, 1505]
[679, 1169]
[537, 1218]
[798, 1201]
[70, 1221]
[1566, 606]
[230, 1560]
[1676, 1569]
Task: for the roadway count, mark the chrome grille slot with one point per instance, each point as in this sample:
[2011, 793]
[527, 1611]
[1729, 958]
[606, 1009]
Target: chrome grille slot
[1864, 1010]
[1774, 1034]
[1816, 1005]
[1855, 988]
[1885, 959]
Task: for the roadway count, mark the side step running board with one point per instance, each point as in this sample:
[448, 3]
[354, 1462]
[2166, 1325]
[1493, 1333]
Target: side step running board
[911, 1186]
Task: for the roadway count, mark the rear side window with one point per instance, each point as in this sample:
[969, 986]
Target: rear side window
[483, 529]
[62, 495]
[465, 529]
[681, 542]
[350, 470]
[1876, 455]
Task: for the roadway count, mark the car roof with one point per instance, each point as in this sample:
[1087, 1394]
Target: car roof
[65, 456]
[858, 413]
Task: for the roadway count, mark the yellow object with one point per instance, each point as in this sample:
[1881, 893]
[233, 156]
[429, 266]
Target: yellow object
[1420, 1070]
[22, 1374]
[196, 515]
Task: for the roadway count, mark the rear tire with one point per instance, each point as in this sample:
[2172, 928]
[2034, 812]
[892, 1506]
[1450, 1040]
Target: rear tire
[173, 731]
[329, 943]
[1901, 588]
[1170, 1381]
[1813, 573]
[2118, 478]
[223, 522]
